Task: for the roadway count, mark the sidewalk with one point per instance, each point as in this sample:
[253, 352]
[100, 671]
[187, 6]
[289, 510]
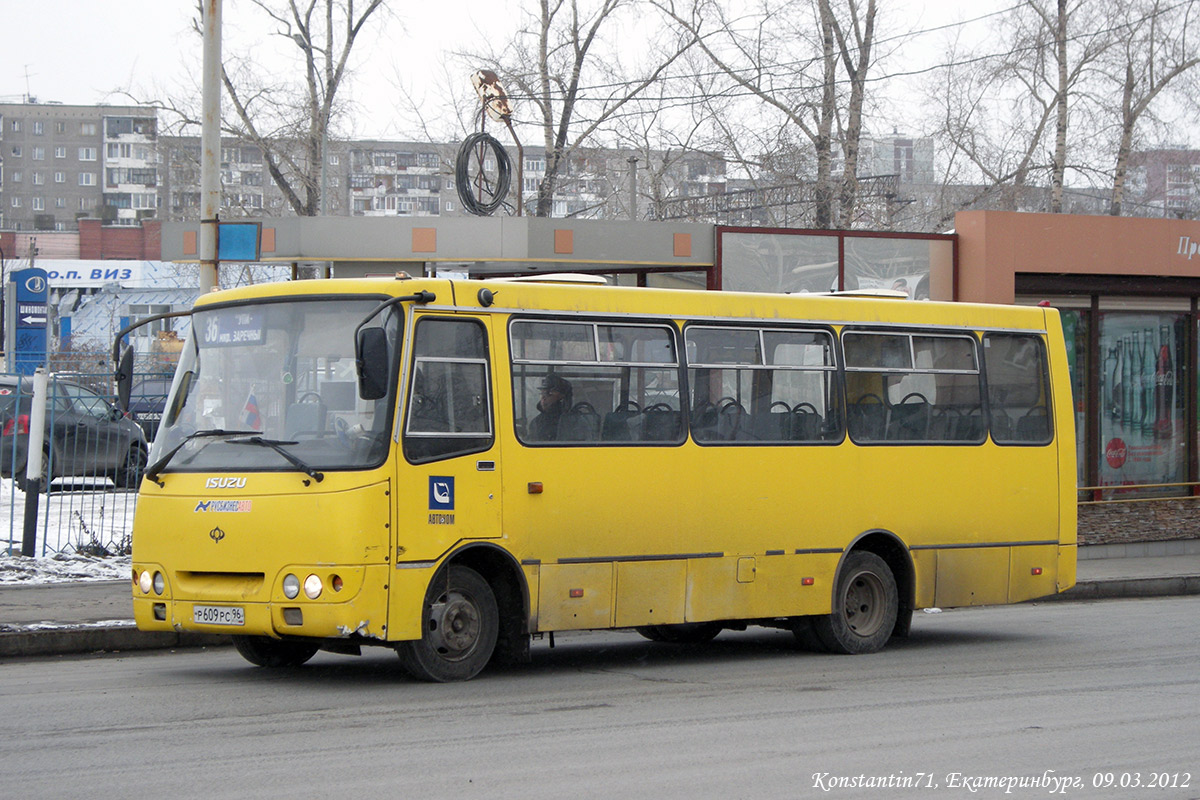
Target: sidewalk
[84, 617]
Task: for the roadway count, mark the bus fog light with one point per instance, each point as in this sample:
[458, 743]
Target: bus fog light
[335, 583]
[160, 583]
[291, 586]
[145, 582]
[313, 587]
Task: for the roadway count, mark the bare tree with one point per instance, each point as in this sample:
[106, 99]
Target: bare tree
[289, 116]
[1153, 53]
[999, 103]
[808, 63]
[561, 63]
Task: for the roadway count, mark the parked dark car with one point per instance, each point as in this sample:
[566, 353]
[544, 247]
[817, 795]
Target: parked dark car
[147, 400]
[86, 436]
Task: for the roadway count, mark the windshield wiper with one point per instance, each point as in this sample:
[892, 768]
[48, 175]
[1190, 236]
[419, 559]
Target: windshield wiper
[157, 467]
[277, 446]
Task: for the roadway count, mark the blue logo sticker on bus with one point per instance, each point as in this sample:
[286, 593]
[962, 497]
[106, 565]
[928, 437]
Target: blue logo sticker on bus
[441, 493]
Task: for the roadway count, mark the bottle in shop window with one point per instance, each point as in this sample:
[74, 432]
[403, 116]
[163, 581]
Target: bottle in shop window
[1112, 372]
[1150, 365]
[1164, 388]
[1126, 382]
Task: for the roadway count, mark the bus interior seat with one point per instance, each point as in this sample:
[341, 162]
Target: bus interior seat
[806, 426]
[774, 426]
[1034, 426]
[622, 425]
[660, 424]
[580, 424]
[305, 417]
[867, 418]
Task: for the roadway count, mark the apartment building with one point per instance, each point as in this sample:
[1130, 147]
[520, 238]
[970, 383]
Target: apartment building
[60, 163]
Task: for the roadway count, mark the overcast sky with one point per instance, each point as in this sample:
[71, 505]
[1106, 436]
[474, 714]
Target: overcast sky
[85, 51]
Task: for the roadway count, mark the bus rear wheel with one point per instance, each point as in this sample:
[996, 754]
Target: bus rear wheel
[865, 605]
[461, 622]
[263, 651]
[683, 633]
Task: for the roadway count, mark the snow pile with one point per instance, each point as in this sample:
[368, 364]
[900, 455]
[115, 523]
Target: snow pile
[63, 568]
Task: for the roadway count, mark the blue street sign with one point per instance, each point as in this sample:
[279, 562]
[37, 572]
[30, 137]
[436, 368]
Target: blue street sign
[31, 313]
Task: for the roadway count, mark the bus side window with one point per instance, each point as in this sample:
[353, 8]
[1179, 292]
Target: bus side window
[1017, 388]
[449, 402]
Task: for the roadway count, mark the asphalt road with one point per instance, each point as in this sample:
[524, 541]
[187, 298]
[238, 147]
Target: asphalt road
[1096, 692]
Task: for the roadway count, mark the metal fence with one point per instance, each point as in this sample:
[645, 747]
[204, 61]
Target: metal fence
[94, 459]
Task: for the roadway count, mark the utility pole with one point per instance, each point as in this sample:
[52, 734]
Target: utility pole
[210, 147]
[633, 215]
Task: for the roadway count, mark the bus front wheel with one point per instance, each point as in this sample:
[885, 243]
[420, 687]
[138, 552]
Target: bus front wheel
[263, 651]
[461, 622]
[865, 605]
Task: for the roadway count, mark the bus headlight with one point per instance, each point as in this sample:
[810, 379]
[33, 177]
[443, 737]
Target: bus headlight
[291, 586]
[160, 583]
[145, 582]
[313, 587]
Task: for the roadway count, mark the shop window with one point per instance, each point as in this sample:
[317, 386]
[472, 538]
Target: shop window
[1142, 428]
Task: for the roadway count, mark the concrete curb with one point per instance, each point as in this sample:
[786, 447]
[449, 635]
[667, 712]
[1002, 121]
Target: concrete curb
[98, 638]
[1114, 588]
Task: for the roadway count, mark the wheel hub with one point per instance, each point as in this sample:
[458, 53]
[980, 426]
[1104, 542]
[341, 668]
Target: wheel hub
[454, 624]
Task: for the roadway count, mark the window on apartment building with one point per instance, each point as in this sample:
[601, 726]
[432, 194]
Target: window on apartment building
[38, 127]
[38, 179]
[60, 177]
[16, 151]
[449, 206]
[60, 202]
[38, 204]
[87, 179]
[60, 127]
[15, 126]
[16, 176]
[16, 202]
[60, 152]
[151, 329]
[39, 154]
[535, 165]
[87, 129]
[145, 201]
[333, 159]
[119, 150]
[87, 154]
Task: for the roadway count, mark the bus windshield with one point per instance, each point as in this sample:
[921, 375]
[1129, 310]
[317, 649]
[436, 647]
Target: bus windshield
[279, 376]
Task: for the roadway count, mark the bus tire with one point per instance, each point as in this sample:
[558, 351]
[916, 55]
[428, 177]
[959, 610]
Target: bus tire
[461, 623]
[865, 605]
[683, 633]
[263, 651]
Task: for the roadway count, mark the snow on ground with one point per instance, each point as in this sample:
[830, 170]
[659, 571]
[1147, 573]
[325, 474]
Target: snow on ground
[62, 568]
[88, 516]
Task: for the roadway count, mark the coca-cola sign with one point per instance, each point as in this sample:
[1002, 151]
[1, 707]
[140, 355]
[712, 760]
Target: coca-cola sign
[1115, 452]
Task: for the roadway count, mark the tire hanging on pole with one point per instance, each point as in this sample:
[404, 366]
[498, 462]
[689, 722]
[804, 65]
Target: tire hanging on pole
[490, 197]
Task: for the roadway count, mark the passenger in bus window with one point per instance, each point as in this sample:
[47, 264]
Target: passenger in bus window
[556, 400]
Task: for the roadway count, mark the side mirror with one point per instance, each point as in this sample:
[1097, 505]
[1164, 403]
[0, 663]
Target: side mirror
[372, 362]
[124, 377]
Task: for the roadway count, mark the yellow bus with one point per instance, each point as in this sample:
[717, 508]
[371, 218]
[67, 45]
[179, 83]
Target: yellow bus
[452, 468]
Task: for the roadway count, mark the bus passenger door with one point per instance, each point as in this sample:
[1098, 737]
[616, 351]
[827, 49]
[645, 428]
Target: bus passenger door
[449, 485]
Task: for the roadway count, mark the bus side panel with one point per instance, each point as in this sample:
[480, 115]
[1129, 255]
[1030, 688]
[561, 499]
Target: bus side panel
[972, 577]
[650, 592]
[1035, 572]
[717, 589]
[575, 597]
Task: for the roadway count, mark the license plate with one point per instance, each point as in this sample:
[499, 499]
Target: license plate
[219, 615]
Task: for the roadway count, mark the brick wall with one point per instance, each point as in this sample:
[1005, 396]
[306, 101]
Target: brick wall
[1157, 521]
